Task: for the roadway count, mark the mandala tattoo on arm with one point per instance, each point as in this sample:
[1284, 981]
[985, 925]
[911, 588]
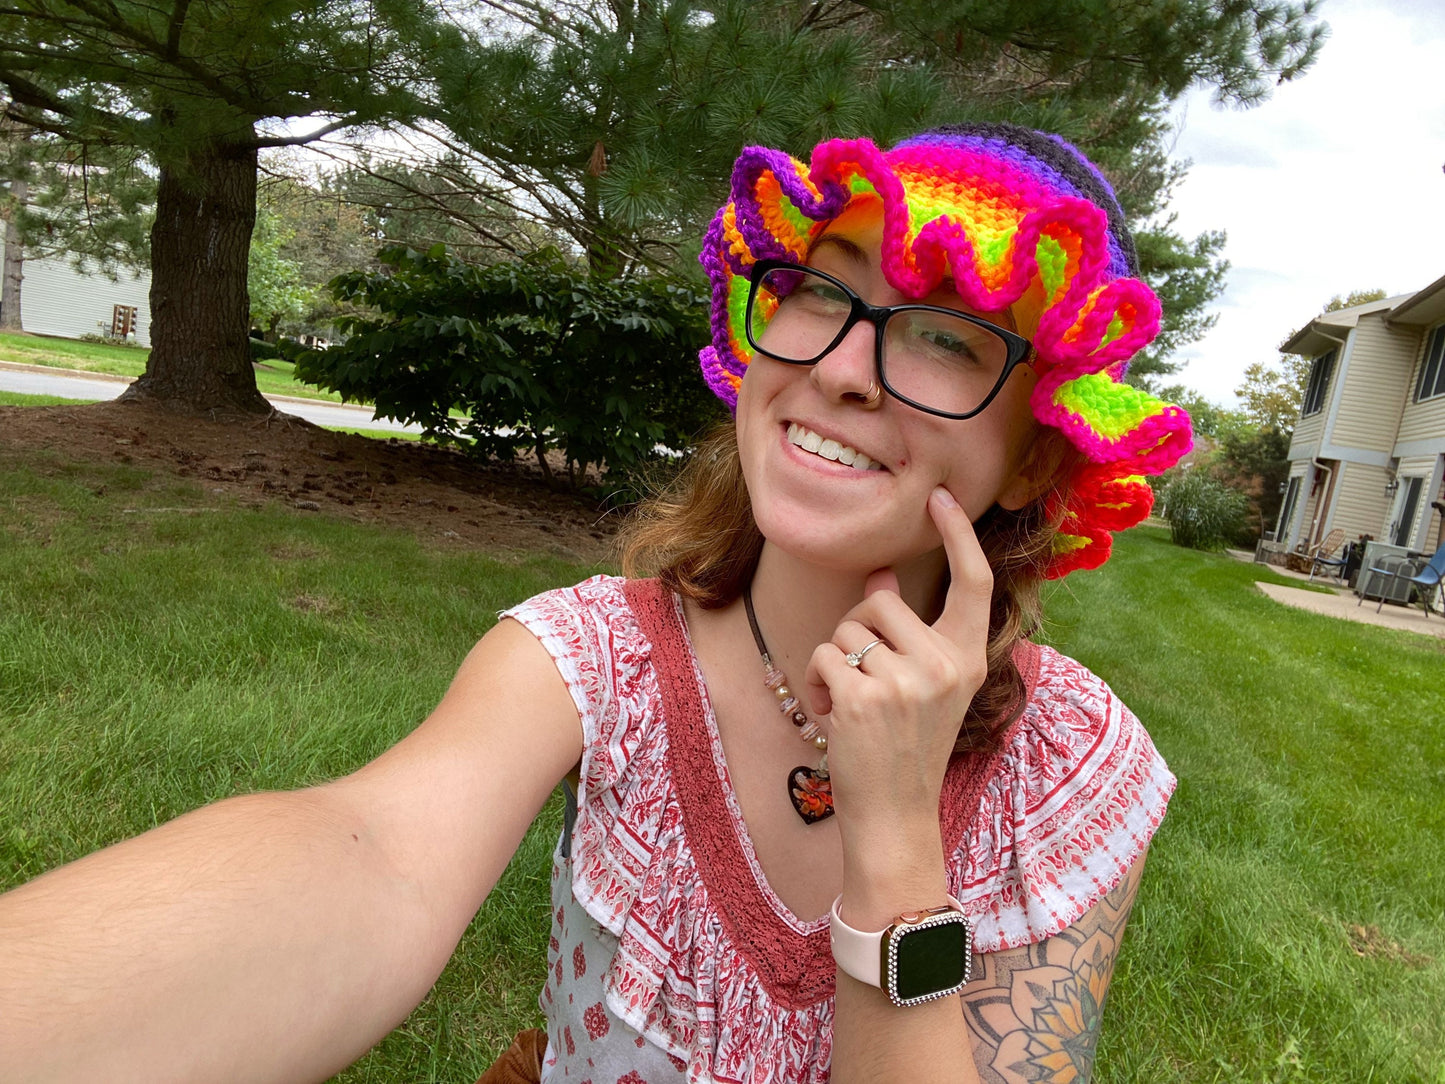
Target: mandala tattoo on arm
[1034, 1012]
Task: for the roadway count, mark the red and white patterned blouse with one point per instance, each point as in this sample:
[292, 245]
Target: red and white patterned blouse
[671, 957]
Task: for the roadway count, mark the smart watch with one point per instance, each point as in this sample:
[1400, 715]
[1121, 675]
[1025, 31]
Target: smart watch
[921, 956]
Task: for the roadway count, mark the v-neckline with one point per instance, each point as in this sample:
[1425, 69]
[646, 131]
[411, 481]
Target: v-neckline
[791, 954]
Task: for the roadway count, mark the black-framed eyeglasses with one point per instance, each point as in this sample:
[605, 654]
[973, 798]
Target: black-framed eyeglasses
[937, 360]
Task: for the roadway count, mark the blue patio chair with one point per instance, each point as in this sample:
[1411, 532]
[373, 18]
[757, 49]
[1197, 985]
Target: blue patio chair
[1426, 580]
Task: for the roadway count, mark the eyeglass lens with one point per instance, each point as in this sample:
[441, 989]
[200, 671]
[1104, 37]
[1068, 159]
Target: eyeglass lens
[936, 360]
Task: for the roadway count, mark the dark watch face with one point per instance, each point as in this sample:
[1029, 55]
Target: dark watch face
[928, 961]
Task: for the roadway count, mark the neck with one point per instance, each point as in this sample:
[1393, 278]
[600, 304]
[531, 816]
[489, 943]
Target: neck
[799, 605]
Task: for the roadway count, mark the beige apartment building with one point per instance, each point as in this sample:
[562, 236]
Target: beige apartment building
[1368, 454]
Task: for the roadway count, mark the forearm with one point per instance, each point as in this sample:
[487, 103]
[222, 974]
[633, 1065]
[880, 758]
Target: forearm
[873, 1040]
[262, 938]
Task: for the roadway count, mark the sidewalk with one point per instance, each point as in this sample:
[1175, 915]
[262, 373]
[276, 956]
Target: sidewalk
[79, 384]
[1339, 602]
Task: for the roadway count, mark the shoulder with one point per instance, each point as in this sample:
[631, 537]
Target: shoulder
[587, 628]
[1077, 791]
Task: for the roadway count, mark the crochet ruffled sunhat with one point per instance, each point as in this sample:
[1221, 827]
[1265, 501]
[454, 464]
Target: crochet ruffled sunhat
[1020, 220]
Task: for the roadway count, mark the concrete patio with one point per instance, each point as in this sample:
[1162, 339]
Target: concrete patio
[1336, 601]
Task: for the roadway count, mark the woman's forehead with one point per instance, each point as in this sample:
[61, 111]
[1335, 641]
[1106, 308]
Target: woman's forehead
[856, 236]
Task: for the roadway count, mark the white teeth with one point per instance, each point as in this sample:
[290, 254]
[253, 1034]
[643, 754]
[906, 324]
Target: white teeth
[829, 448]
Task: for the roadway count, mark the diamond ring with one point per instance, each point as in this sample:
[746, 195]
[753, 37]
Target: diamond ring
[855, 658]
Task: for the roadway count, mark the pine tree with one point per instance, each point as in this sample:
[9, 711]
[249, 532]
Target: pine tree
[200, 89]
[617, 123]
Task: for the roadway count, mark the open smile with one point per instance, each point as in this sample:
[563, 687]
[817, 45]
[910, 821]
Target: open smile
[828, 448]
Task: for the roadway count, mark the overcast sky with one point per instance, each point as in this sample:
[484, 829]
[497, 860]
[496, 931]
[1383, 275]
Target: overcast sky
[1334, 184]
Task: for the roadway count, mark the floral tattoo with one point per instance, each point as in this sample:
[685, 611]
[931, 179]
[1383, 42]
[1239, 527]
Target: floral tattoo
[1034, 1012]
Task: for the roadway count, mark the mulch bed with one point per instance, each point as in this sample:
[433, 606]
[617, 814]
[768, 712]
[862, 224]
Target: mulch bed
[439, 493]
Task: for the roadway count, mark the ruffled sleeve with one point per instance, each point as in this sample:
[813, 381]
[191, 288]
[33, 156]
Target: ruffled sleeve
[1073, 800]
[594, 640]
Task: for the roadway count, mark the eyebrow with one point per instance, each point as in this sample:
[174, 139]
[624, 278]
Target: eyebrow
[858, 255]
[848, 248]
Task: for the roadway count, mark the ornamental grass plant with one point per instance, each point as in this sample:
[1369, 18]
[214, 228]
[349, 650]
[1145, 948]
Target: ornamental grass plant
[161, 647]
[1203, 512]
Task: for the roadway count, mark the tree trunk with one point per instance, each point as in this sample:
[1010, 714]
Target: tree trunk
[14, 266]
[200, 312]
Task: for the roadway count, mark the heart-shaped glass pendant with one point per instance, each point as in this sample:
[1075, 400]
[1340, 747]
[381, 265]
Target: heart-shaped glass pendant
[811, 792]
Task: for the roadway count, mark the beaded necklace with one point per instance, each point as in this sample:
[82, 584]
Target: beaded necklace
[809, 789]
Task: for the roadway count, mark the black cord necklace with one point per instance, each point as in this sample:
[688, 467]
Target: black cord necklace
[809, 789]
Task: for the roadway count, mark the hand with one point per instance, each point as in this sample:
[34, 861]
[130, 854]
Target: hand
[892, 722]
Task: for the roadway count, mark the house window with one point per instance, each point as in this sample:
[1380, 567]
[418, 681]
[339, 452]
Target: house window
[1404, 527]
[1286, 511]
[1320, 372]
[1432, 373]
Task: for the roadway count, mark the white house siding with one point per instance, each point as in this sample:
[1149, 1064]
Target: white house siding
[1424, 421]
[55, 299]
[1305, 442]
[1376, 386]
[1360, 503]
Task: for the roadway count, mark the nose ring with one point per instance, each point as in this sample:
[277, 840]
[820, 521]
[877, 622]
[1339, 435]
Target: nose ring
[873, 394]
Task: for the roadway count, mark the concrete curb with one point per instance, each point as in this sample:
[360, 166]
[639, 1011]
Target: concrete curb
[86, 374]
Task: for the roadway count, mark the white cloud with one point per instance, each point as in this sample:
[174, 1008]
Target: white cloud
[1333, 185]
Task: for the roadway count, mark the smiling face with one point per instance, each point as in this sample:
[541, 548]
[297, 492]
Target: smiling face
[844, 483]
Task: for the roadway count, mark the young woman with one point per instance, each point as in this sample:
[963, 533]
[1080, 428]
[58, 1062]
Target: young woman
[831, 814]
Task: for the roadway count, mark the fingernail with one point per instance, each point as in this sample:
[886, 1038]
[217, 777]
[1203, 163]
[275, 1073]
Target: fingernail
[944, 498]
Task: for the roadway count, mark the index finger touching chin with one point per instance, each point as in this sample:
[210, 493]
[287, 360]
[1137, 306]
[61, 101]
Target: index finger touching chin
[971, 579]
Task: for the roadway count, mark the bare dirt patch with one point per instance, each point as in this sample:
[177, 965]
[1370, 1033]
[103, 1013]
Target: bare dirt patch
[1370, 942]
[438, 493]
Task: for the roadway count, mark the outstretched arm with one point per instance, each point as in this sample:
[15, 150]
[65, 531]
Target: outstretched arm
[275, 937]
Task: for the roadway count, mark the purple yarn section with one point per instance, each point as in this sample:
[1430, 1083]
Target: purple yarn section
[750, 166]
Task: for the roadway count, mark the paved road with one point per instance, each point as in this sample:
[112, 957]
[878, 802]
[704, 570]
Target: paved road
[72, 384]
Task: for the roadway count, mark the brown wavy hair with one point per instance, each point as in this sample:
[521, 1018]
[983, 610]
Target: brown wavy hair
[698, 536]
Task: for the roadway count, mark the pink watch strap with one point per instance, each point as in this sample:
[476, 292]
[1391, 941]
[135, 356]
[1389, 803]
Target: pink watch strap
[857, 953]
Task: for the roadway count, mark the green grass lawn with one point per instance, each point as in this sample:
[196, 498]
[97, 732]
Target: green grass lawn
[161, 648]
[15, 398]
[1310, 818]
[273, 377]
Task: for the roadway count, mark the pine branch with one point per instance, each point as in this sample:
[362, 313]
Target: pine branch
[263, 142]
[173, 31]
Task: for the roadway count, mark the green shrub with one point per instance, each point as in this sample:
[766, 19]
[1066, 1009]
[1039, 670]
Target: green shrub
[261, 350]
[1203, 513]
[538, 355]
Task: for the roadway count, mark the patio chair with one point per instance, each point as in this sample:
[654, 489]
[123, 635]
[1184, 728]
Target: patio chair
[1324, 555]
[1426, 580]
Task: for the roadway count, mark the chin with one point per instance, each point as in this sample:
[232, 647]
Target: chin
[847, 552]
